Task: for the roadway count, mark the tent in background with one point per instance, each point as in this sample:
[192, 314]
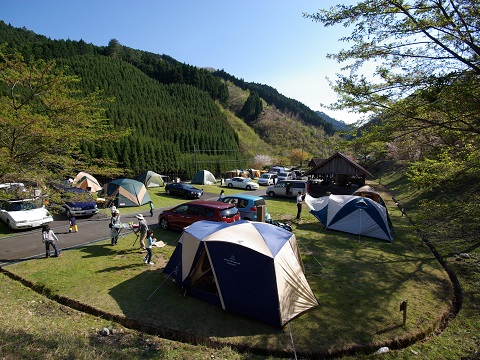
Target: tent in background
[369, 192]
[127, 192]
[249, 268]
[151, 179]
[204, 177]
[352, 214]
[86, 181]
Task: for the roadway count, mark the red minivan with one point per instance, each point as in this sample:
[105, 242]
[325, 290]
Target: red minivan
[186, 214]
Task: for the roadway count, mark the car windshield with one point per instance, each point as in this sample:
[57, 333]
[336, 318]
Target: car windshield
[23, 205]
[188, 186]
[265, 176]
[283, 174]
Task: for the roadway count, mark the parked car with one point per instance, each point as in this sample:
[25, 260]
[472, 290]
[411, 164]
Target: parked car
[299, 174]
[241, 183]
[247, 205]
[289, 188]
[24, 214]
[78, 202]
[286, 176]
[183, 189]
[12, 187]
[268, 179]
[186, 214]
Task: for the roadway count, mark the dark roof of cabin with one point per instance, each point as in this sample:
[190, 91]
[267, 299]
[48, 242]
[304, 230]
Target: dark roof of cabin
[339, 163]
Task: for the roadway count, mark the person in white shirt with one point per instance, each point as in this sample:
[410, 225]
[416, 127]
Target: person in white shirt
[299, 204]
[113, 208]
[115, 226]
[49, 238]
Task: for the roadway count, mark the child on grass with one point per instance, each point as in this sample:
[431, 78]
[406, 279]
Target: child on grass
[49, 238]
[149, 242]
[151, 208]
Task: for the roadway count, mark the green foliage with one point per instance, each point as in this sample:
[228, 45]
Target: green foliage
[44, 118]
[423, 96]
[173, 128]
[252, 108]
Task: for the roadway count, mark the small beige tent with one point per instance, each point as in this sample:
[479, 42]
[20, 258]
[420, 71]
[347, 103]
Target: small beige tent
[86, 181]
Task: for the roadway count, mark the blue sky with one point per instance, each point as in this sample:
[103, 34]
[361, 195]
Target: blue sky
[262, 41]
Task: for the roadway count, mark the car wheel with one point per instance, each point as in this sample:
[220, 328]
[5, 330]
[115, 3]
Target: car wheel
[248, 187]
[167, 191]
[164, 224]
[271, 194]
[230, 185]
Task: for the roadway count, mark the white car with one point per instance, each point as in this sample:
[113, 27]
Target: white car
[241, 183]
[24, 214]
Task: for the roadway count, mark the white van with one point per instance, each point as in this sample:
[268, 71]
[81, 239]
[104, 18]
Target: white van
[288, 188]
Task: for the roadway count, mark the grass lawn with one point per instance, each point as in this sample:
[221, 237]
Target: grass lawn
[359, 282]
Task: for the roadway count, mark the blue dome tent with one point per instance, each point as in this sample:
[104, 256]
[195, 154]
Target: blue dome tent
[352, 214]
[249, 268]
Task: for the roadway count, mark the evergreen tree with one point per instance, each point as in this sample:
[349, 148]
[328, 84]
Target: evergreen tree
[252, 108]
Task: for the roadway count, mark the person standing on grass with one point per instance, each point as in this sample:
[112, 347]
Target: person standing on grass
[115, 226]
[142, 229]
[151, 208]
[49, 238]
[149, 242]
[299, 204]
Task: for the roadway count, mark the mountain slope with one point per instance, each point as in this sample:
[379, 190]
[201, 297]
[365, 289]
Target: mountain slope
[337, 124]
[180, 116]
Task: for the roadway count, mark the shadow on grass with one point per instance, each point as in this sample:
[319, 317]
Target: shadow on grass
[120, 268]
[96, 250]
[155, 300]
[365, 279]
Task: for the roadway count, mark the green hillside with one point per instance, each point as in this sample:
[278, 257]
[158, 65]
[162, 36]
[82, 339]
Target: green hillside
[179, 118]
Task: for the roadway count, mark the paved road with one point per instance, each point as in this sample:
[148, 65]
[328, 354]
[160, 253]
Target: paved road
[28, 244]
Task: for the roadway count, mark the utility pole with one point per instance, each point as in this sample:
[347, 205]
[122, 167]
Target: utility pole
[303, 145]
[195, 157]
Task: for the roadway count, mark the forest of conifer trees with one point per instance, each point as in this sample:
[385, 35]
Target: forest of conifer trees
[169, 110]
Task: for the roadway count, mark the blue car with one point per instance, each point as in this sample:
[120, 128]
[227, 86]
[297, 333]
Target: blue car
[183, 189]
[78, 202]
[247, 205]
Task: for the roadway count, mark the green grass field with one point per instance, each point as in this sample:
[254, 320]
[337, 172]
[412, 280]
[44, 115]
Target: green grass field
[359, 282]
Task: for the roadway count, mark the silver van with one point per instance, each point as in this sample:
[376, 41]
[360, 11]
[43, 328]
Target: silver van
[288, 188]
[287, 175]
[268, 179]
